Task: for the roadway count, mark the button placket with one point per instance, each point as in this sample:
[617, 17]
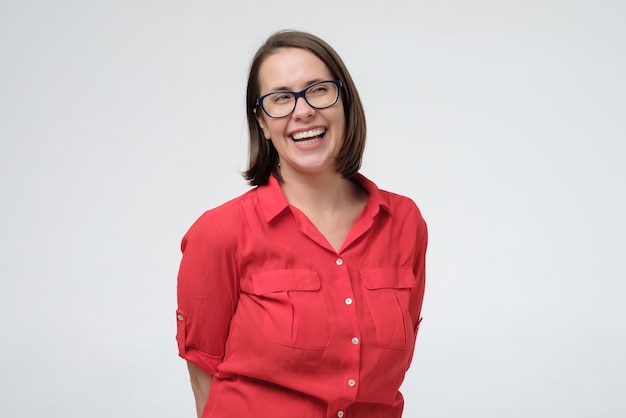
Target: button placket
[339, 262]
[354, 340]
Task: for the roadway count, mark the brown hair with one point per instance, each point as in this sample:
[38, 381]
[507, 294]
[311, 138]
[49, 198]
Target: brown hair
[263, 158]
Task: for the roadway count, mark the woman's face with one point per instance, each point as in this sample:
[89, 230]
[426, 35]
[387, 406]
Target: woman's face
[308, 140]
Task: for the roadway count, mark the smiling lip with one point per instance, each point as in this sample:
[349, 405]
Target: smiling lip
[309, 136]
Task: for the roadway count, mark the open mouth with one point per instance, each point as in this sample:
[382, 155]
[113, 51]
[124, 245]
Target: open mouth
[309, 137]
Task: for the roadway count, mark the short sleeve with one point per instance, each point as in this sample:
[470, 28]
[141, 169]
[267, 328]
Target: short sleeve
[207, 292]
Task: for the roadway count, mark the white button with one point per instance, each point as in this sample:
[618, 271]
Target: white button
[340, 414]
[180, 317]
[348, 301]
[339, 261]
[355, 341]
[351, 383]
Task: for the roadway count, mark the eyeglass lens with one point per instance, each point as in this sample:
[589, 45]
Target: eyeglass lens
[319, 96]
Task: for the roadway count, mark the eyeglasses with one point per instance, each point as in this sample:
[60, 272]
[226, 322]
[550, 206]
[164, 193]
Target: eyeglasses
[320, 95]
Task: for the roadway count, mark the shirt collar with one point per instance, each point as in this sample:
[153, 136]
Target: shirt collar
[272, 200]
[377, 198]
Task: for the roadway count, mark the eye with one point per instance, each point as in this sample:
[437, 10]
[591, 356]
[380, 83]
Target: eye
[280, 98]
[318, 89]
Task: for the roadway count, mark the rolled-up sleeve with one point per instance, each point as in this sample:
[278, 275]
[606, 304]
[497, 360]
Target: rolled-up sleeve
[207, 292]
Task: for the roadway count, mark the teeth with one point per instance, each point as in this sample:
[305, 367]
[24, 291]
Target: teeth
[309, 141]
[308, 134]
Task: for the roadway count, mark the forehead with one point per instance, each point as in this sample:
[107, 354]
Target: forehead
[291, 69]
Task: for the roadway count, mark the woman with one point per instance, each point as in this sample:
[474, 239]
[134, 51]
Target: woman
[302, 297]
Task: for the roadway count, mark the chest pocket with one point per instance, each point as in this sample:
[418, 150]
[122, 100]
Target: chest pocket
[387, 291]
[293, 307]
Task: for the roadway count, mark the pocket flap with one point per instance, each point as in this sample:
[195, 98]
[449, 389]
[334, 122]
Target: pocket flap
[282, 280]
[388, 278]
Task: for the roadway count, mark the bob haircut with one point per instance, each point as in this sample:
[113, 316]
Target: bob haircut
[263, 158]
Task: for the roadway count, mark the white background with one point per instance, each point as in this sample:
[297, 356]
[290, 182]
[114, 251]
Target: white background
[121, 121]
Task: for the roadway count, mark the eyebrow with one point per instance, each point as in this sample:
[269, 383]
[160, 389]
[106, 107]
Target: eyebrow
[308, 83]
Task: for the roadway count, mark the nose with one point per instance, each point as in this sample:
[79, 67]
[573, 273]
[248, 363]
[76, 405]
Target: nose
[302, 110]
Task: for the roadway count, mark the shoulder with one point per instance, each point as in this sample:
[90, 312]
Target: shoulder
[221, 223]
[401, 204]
[397, 205]
[407, 220]
[404, 211]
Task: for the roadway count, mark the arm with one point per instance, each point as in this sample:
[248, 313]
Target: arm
[207, 293]
[200, 385]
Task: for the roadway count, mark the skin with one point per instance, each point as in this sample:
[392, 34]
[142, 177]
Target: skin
[200, 385]
[294, 69]
[311, 182]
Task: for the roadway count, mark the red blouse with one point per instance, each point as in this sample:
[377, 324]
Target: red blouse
[288, 326]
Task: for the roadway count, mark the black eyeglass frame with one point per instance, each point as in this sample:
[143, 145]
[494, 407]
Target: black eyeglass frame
[298, 94]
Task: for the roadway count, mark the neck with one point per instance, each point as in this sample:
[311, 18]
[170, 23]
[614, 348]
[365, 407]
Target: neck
[319, 192]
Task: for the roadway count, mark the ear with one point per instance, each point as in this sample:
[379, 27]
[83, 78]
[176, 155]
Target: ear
[260, 118]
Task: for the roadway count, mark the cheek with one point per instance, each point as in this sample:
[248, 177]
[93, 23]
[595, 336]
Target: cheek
[339, 115]
[265, 129]
[340, 123]
[264, 126]
[274, 128]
